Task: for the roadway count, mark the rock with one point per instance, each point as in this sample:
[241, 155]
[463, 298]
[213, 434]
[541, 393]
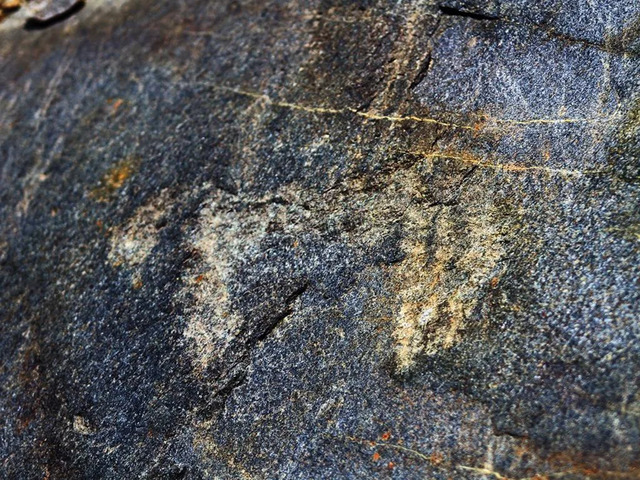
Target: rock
[9, 4]
[321, 239]
[47, 10]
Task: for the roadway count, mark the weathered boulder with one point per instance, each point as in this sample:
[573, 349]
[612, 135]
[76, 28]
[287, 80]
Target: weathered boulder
[321, 239]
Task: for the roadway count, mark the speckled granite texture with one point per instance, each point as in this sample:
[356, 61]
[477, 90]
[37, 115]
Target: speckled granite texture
[321, 239]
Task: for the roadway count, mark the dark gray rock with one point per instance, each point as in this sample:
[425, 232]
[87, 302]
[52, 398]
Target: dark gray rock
[321, 239]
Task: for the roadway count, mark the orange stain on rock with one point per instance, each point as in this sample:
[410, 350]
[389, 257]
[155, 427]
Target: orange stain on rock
[376, 457]
[114, 179]
[116, 105]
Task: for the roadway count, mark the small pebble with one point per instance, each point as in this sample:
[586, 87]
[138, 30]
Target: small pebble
[45, 10]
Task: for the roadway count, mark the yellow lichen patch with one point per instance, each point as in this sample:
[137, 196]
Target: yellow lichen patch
[211, 326]
[230, 230]
[630, 232]
[440, 284]
[407, 332]
[131, 243]
[114, 179]
[82, 426]
[452, 253]
[136, 281]
[227, 231]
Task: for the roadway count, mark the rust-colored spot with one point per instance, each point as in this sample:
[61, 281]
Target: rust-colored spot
[199, 278]
[376, 457]
[436, 458]
[385, 436]
[114, 179]
[117, 103]
[23, 423]
[480, 124]
[583, 465]
[494, 282]
[521, 449]
[390, 465]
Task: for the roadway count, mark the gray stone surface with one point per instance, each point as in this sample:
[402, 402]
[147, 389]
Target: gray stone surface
[321, 239]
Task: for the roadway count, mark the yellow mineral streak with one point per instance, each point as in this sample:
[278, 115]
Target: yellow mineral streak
[485, 123]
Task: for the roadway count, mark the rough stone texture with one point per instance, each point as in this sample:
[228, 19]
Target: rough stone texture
[321, 239]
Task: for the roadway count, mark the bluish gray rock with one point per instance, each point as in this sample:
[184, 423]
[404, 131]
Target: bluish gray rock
[321, 239]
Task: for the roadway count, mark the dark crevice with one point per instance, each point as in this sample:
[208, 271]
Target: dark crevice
[238, 370]
[40, 24]
[422, 73]
[468, 174]
[236, 380]
[445, 203]
[615, 48]
[454, 12]
[501, 428]
[278, 318]
[276, 200]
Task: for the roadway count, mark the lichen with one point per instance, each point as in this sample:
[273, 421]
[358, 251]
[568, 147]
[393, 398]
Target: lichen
[131, 243]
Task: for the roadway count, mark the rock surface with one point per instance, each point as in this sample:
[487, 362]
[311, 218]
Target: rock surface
[321, 239]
